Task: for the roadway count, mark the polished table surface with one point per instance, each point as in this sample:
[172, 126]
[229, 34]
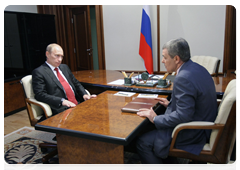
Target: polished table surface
[99, 118]
[95, 131]
[101, 78]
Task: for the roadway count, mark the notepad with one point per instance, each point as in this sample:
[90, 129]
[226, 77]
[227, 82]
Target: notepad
[139, 103]
[141, 95]
[125, 94]
[156, 77]
[117, 82]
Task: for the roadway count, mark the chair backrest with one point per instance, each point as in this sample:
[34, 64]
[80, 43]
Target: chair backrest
[27, 86]
[209, 62]
[229, 98]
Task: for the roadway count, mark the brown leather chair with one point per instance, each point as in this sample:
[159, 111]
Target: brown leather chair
[35, 110]
[223, 135]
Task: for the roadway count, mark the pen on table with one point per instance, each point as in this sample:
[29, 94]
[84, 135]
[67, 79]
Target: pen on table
[123, 94]
[165, 76]
[131, 74]
[125, 75]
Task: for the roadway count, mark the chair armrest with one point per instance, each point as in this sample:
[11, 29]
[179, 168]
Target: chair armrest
[88, 92]
[46, 108]
[191, 125]
[194, 125]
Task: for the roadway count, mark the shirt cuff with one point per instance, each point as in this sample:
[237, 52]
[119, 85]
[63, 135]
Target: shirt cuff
[61, 101]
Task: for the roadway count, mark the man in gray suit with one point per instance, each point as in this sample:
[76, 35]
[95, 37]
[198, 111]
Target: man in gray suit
[193, 99]
[47, 87]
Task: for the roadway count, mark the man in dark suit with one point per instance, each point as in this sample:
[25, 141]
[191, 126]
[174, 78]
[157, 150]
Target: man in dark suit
[48, 87]
[193, 99]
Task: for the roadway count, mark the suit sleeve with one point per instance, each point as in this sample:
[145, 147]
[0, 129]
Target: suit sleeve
[39, 84]
[185, 96]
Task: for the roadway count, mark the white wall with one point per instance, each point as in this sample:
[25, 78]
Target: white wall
[202, 26]
[122, 27]
[22, 8]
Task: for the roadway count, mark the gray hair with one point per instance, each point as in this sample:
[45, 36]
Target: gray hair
[178, 47]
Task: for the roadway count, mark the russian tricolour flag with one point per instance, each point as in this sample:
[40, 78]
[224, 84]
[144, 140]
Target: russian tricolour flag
[145, 48]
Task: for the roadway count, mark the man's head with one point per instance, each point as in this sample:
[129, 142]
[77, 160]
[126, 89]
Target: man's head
[175, 53]
[54, 54]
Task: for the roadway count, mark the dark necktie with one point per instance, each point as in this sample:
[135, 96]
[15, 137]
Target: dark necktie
[67, 88]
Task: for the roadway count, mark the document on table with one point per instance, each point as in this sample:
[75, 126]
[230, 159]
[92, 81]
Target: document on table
[117, 82]
[157, 77]
[141, 95]
[125, 94]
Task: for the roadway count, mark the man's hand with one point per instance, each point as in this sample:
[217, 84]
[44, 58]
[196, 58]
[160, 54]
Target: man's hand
[163, 101]
[68, 103]
[149, 113]
[87, 97]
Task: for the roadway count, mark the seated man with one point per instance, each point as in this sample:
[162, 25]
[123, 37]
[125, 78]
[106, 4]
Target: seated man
[54, 84]
[193, 99]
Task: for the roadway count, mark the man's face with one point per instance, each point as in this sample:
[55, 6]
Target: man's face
[55, 56]
[170, 63]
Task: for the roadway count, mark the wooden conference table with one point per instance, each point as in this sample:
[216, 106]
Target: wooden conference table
[96, 81]
[95, 131]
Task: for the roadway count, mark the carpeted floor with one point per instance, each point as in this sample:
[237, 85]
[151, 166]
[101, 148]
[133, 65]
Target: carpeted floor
[21, 151]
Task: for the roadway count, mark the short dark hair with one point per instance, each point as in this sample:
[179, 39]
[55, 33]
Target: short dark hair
[178, 47]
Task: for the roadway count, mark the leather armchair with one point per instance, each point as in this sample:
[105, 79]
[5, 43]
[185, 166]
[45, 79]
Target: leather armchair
[223, 135]
[209, 62]
[35, 108]
[35, 111]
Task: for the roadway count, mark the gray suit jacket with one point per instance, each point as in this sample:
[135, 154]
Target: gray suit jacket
[48, 89]
[193, 99]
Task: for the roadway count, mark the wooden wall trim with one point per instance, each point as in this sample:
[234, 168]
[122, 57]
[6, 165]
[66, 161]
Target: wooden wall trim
[100, 37]
[229, 60]
[227, 40]
[69, 37]
[62, 30]
[158, 38]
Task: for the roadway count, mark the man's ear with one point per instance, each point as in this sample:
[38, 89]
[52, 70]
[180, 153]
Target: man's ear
[177, 59]
[47, 53]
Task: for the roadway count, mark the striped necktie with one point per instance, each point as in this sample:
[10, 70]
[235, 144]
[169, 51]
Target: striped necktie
[67, 88]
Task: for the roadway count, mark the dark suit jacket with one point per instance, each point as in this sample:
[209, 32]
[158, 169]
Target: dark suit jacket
[193, 99]
[48, 89]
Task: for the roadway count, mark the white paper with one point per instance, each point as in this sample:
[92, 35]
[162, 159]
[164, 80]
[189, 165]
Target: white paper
[125, 94]
[117, 82]
[147, 95]
[148, 82]
[157, 76]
